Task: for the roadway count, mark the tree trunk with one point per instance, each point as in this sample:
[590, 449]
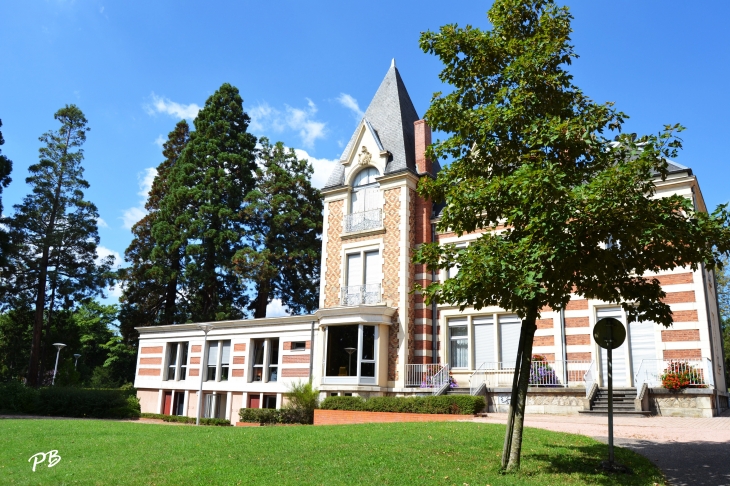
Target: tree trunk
[524, 380]
[513, 400]
[40, 305]
[262, 300]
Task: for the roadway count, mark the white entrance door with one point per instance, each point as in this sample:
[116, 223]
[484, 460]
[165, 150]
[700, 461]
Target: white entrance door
[620, 373]
[643, 347]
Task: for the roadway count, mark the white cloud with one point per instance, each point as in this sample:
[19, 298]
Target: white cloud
[132, 215]
[275, 309]
[101, 223]
[103, 252]
[301, 120]
[351, 104]
[172, 108]
[322, 167]
[160, 140]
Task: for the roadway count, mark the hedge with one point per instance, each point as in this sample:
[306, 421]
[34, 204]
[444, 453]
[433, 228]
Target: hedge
[270, 416]
[446, 404]
[186, 420]
[61, 401]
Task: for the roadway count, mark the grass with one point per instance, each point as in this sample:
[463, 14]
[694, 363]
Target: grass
[111, 452]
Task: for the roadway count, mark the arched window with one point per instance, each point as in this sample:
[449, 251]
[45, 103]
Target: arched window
[365, 191]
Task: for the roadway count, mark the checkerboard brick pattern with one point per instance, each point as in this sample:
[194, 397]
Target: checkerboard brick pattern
[391, 271]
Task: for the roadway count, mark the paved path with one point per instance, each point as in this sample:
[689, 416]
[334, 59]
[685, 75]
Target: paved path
[689, 451]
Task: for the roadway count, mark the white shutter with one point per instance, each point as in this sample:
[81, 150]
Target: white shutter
[372, 267]
[354, 270]
[620, 376]
[509, 328]
[358, 202]
[372, 198]
[483, 341]
[225, 352]
[213, 354]
[643, 345]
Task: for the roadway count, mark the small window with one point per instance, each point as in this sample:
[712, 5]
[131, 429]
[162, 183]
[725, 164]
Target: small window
[177, 361]
[273, 359]
[334, 394]
[212, 367]
[172, 361]
[269, 401]
[298, 346]
[459, 343]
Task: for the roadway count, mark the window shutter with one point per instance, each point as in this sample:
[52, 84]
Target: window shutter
[619, 354]
[372, 267]
[225, 352]
[509, 327]
[483, 341]
[213, 354]
[354, 270]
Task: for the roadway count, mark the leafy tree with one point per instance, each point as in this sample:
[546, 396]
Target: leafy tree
[207, 190]
[153, 292]
[16, 331]
[6, 166]
[283, 217]
[532, 164]
[723, 297]
[56, 233]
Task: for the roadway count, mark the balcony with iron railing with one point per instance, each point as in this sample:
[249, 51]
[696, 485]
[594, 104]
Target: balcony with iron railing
[360, 294]
[363, 221]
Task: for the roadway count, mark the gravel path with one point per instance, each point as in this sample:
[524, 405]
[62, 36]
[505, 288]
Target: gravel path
[689, 451]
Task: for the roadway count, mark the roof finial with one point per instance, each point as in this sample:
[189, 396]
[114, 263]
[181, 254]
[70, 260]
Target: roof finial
[392, 63]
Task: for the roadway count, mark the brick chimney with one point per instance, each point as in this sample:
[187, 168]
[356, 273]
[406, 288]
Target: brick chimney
[423, 140]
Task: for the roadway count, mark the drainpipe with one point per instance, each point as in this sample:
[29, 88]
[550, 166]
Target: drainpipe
[434, 310]
[311, 354]
[563, 346]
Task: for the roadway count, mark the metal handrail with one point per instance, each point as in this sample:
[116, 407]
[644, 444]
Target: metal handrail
[698, 372]
[588, 378]
[473, 389]
[360, 294]
[441, 380]
[363, 221]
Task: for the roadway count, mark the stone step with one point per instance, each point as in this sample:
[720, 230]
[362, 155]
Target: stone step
[636, 413]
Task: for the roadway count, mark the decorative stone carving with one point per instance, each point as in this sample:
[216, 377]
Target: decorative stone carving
[364, 157]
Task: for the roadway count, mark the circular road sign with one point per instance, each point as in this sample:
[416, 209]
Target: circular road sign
[609, 333]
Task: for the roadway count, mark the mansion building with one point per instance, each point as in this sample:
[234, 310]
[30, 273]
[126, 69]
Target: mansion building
[373, 336]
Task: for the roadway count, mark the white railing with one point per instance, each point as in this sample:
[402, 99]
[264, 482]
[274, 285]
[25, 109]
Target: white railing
[678, 372]
[422, 375]
[363, 221]
[589, 377]
[441, 380]
[361, 294]
[478, 379]
[542, 373]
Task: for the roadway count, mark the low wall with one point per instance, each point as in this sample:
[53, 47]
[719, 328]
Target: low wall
[690, 402]
[336, 417]
[556, 401]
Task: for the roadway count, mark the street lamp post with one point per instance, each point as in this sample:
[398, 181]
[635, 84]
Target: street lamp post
[77, 356]
[206, 328]
[59, 347]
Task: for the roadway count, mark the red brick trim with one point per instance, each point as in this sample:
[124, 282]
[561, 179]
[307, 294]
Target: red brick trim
[195, 360]
[194, 371]
[578, 356]
[335, 417]
[237, 373]
[149, 372]
[576, 339]
[674, 279]
[577, 304]
[685, 316]
[150, 361]
[239, 347]
[196, 348]
[296, 358]
[544, 341]
[544, 323]
[576, 322]
[151, 350]
[679, 297]
[295, 372]
[674, 335]
[682, 354]
[550, 357]
[239, 360]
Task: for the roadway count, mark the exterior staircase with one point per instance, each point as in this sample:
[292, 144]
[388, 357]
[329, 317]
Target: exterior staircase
[623, 403]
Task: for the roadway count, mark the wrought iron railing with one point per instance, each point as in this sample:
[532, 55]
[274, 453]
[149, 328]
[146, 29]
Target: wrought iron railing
[361, 294]
[675, 373]
[441, 380]
[363, 221]
[478, 379]
[421, 375]
[542, 373]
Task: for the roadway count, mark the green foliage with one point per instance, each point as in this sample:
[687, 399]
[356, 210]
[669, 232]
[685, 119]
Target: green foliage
[154, 285]
[186, 420]
[202, 209]
[723, 299]
[60, 401]
[443, 404]
[16, 328]
[302, 399]
[272, 416]
[283, 216]
[6, 166]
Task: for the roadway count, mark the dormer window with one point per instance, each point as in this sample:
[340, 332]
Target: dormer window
[366, 202]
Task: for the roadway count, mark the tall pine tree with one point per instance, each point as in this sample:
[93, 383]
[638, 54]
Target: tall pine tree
[55, 231]
[6, 166]
[207, 190]
[153, 281]
[283, 228]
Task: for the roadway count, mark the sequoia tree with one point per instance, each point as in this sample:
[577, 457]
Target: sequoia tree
[153, 292]
[206, 195]
[283, 226]
[6, 166]
[535, 165]
[55, 232]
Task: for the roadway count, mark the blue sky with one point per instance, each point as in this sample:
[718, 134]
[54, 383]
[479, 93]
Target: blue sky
[305, 71]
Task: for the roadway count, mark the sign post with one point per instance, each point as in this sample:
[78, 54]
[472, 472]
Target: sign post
[609, 333]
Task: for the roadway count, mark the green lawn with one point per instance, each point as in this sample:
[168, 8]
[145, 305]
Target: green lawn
[109, 452]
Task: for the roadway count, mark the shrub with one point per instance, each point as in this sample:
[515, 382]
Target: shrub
[186, 420]
[445, 404]
[303, 399]
[68, 401]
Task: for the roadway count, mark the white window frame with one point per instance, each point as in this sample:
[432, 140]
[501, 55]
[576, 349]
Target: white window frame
[218, 360]
[179, 366]
[357, 379]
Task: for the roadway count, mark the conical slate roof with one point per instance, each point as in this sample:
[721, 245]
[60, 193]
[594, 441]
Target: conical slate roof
[391, 114]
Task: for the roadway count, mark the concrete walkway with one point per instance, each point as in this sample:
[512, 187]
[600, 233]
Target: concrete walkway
[689, 451]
